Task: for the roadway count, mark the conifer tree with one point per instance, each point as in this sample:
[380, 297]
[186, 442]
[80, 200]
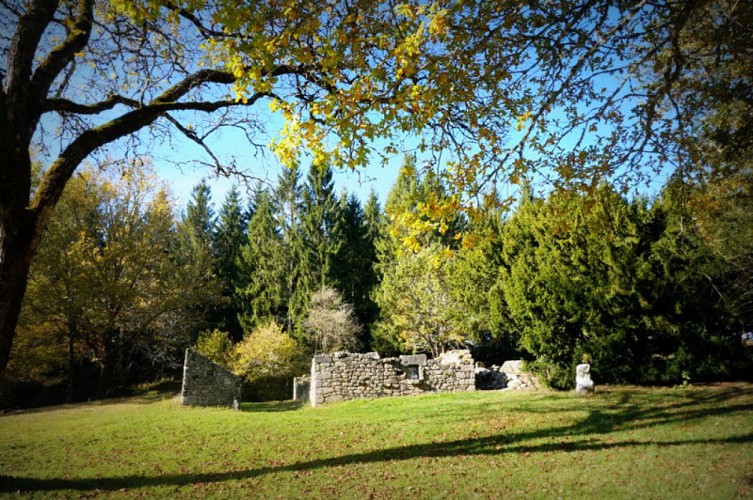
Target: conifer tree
[261, 287]
[320, 229]
[194, 248]
[200, 215]
[579, 284]
[288, 197]
[354, 272]
[228, 238]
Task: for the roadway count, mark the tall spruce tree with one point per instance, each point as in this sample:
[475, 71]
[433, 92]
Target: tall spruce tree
[262, 266]
[194, 242]
[353, 271]
[200, 215]
[288, 197]
[320, 229]
[228, 238]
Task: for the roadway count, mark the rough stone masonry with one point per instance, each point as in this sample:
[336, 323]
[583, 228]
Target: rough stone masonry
[343, 376]
[205, 383]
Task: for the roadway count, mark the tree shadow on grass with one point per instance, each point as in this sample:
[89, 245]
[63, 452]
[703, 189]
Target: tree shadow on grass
[627, 412]
[272, 406]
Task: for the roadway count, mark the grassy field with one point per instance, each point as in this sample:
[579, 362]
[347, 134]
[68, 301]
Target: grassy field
[621, 442]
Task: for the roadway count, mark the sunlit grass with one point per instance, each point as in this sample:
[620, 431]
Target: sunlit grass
[625, 442]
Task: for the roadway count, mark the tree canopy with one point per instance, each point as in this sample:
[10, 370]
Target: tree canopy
[566, 91]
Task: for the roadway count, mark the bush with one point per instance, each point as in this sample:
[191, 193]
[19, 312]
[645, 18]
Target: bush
[266, 352]
[215, 345]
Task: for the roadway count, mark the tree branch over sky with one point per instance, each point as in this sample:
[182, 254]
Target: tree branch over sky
[566, 92]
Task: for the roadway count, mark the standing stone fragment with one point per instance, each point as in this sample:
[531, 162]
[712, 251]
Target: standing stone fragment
[583, 382]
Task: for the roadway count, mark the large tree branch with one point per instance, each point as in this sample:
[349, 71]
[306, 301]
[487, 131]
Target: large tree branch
[192, 81]
[68, 106]
[61, 55]
[204, 30]
[23, 46]
[217, 76]
[63, 167]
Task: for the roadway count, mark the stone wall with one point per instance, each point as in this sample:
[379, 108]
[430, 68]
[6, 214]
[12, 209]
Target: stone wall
[343, 376]
[205, 383]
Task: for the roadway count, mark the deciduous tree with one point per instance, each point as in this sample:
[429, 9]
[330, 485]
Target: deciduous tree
[331, 324]
[108, 286]
[417, 307]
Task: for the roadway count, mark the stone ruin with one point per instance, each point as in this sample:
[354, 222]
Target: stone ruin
[301, 388]
[583, 382]
[343, 376]
[510, 376]
[205, 383]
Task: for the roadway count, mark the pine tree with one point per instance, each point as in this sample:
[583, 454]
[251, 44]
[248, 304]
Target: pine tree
[200, 215]
[194, 249]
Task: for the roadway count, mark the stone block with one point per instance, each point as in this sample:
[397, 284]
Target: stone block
[512, 366]
[413, 360]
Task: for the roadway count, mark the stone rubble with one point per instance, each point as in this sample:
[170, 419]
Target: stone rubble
[510, 376]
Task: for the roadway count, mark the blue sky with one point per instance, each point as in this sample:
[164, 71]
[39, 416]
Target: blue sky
[232, 146]
[361, 183]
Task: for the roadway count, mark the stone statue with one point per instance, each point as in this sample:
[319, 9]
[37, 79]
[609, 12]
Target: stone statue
[583, 382]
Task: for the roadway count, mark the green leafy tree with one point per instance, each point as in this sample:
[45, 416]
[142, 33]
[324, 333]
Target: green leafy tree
[215, 345]
[417, 308]
[107, 286]
[266, 356]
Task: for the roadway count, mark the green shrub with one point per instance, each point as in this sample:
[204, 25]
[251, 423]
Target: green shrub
[215, 345]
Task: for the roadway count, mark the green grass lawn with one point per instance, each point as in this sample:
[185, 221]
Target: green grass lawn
[621, 442]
